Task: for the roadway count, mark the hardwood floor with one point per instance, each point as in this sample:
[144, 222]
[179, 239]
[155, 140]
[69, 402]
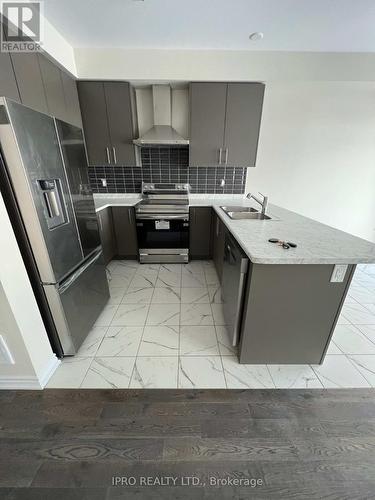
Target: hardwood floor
[299, 444]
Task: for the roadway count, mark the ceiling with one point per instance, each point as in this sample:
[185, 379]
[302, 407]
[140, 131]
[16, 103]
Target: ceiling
[288, 25]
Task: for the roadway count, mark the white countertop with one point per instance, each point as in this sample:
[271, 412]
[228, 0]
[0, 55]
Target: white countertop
[317, 243]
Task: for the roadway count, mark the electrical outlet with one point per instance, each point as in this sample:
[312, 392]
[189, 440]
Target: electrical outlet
[6, 357]
[338, 273]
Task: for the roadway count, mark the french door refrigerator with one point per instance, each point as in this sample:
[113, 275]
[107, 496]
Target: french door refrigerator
[46, 180]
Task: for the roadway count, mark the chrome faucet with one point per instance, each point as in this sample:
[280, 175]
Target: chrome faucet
[263, 203]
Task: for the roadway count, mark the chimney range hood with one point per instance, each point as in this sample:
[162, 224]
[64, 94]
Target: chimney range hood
[162, 133]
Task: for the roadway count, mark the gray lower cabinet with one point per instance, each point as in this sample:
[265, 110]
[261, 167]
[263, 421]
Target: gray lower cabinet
[224, 123]
[125, 232]
[200, 232]
[218, 241]
[107, 235]
[290, 313]
[107, 122]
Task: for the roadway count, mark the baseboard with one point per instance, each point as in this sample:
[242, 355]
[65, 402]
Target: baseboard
[14, 382]
[49, 371]
[18, 382]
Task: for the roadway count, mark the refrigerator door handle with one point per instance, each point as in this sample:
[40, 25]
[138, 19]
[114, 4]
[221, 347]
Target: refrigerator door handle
[66, 284]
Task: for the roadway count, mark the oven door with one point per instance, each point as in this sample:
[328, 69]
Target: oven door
[163, 232]
[163, 238]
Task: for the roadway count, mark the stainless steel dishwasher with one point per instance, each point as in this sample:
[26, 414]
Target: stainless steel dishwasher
[233, 286]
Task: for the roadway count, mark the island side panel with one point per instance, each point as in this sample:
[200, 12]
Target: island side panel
[290, 312]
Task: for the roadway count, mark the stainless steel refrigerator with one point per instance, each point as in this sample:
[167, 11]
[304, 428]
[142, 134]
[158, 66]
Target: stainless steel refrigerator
[44, 172]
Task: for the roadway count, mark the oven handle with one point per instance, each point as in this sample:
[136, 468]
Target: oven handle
[162, 217]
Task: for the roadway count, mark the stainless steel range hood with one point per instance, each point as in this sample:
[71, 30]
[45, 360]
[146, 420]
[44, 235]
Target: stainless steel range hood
[162, 133]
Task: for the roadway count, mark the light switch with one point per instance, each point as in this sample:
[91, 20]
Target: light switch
[338, 273]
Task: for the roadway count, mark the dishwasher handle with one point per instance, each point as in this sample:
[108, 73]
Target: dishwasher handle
[229, 256]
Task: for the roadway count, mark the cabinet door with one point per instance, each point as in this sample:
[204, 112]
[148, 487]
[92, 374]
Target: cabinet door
[53, 87]
[125, 231]
[218, 244]
[120, 122]
[73, 111]
[29, 80]
[106, 234]
[242, 124]
[95, 122]
[200, 232]
[207, 118]
[8, 84]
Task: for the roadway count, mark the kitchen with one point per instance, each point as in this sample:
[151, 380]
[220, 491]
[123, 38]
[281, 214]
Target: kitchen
[185, 219]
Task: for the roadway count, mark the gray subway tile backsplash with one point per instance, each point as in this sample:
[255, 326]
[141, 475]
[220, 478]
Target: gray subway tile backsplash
[167, 164]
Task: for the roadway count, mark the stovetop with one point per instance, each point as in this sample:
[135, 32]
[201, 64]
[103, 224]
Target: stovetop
[164, 198]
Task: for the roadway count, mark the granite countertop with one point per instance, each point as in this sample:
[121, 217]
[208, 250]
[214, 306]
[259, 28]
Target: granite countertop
[115, 200]
[317, 243]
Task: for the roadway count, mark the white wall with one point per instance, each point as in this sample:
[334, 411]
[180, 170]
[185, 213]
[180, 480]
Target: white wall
[187, 65]
[56, 45]
[317, 152]
[12, 336]
[21, 324]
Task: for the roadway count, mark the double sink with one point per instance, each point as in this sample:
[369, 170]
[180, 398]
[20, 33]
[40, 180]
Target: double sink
[236, 212]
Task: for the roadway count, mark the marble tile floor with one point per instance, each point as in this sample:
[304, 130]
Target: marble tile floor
[164, 328]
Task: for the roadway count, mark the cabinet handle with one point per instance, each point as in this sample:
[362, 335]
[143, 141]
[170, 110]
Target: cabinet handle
[217, 226]
[108, 157]
[130, 216]
[114, 154]
[226, 156]
[100, 223]
[220, 154]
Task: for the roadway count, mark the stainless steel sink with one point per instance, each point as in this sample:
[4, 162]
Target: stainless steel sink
[239, 209]
[248, 215]
[245, 213]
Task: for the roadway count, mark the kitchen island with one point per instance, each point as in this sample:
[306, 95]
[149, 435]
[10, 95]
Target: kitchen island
[292, 300]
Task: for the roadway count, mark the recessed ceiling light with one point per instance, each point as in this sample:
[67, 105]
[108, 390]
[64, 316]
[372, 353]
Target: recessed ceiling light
[257, 35]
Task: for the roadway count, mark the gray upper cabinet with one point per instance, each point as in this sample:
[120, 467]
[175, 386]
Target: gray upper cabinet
[8, 84]
[107, 122]
[95, 122]
[120, 122]
[36, 81]
[73, 113]
[29, 79]
[207, 121]
[242, 123]
[51, 76]
[224, 123]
